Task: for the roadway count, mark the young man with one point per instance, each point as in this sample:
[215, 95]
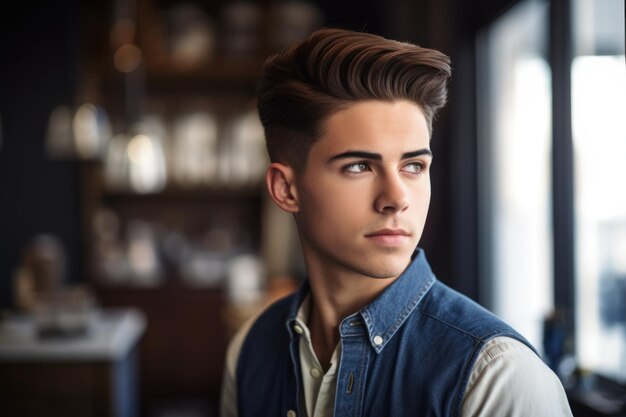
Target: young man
[348, 120]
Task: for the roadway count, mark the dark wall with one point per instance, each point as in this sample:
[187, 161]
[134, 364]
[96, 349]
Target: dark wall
[38, 56]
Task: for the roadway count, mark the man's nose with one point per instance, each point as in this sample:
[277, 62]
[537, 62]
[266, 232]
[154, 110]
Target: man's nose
[393, 195]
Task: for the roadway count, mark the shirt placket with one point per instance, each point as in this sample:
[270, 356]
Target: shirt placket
[352, 377]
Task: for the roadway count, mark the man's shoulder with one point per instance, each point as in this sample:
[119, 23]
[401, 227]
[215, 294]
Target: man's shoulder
[459, 313]
[515, 381]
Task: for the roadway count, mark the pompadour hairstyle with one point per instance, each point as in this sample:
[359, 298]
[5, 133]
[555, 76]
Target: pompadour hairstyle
[302, 86]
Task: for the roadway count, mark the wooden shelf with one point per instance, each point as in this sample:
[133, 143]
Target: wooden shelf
[183, 194]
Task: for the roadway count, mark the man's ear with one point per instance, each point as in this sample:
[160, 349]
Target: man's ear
[280, 180]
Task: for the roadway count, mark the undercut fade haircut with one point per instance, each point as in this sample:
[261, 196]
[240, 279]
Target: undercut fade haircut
[302, 86]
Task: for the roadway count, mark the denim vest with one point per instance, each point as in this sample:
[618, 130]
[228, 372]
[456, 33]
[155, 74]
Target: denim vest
[408, 353]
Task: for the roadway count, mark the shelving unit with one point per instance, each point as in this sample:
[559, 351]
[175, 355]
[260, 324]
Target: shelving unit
[182, 352]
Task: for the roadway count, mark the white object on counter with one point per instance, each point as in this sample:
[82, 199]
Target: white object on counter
[112, 336]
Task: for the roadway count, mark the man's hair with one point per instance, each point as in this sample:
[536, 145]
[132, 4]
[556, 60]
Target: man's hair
[302, 86]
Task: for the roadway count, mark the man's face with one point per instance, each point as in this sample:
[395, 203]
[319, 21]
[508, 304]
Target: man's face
[364, 195]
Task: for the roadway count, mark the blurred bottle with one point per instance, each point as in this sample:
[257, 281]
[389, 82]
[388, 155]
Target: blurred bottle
[248, 155]
[142, 253]
[244, 285]
[194, 149]
[190, 36]
[136, 160]
[147, 167]
[240, 28]
[82, 133]
[42, 270]
[116, 164]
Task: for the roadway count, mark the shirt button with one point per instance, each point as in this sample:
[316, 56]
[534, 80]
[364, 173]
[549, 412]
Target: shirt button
[291, 413]
[315, 373]
[299, 330]
[378, 340]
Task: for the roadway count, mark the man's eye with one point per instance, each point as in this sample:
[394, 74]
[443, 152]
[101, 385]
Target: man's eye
[356, 168]
[414, 167]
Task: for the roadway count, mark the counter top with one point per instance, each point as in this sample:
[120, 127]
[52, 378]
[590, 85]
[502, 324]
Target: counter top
[112, 334]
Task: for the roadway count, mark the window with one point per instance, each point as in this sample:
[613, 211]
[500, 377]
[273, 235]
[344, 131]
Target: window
[523, 241]
[514, 169]
[599, 136]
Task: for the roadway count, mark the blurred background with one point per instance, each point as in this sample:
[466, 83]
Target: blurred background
[136, 236]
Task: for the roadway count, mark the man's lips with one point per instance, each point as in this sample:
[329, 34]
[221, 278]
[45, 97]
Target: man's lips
[389, 237]
[389, 232]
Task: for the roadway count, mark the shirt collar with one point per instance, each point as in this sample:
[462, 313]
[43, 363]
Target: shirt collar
[383, 316]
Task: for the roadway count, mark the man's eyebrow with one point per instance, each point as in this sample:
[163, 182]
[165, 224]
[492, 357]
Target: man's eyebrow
[357, 154]
[377, 156]
[413, 154]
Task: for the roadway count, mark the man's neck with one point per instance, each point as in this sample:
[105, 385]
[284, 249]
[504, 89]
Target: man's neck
[336, 294]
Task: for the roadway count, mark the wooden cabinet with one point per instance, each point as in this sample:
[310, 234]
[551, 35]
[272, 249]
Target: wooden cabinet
[181, 354]
[94, 375]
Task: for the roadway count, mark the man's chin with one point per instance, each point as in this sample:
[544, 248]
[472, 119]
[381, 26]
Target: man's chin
[387, 268]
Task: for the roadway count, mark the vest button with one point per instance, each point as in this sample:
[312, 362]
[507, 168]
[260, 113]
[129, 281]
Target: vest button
[291, 413]
[299, 330]
[378, 340]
